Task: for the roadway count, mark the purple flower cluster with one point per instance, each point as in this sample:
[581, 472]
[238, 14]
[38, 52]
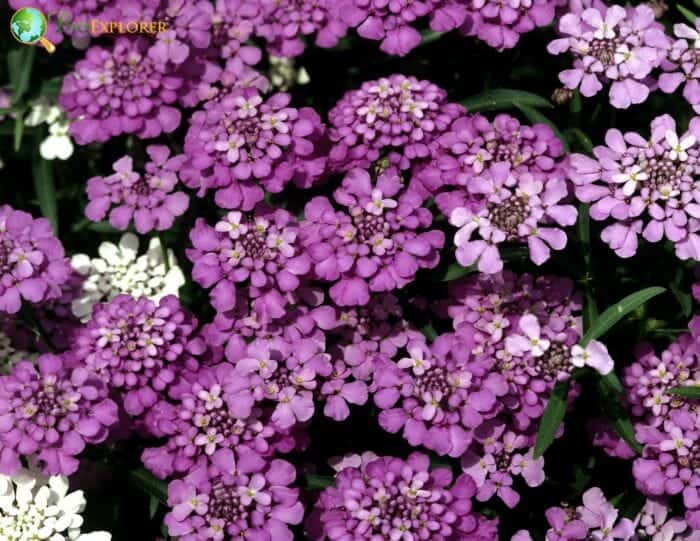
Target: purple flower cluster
[647, 187]
[391, 498]
[612, 44]
[149, 199]
[395, 114]
[33, 266]
[241, 144]
[123, 90]
[139, 348]
[259, 248]
[681, 65]
[53, 410]
[377, 244]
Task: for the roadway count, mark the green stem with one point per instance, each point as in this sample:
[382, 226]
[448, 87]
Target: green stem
[164, 250]
[33, 323]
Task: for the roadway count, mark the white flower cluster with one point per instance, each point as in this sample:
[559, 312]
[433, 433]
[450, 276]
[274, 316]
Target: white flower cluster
[58, 144]
[32, 508]
[120, 269]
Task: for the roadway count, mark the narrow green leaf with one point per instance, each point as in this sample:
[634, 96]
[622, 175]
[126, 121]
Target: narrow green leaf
[504, 98]
[697, 3]
[590, 311]
[429, 36]
[687, 13]
[615, 413]
[18, 132]
[42, 171]
[455, 271]
[429, 332]
[689, 391]
[552, 417]
[612, 382]
[153, 504]
[149, 484]
[534, 116]
[581, 140]
[318, 482]
[19, 65]
[618, 311]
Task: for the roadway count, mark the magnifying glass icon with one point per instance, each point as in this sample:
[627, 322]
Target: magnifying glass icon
[28, 26]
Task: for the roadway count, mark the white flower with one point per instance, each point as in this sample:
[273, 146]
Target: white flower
[532, 341]
[43, 112]
[630, 178]
[284, 74]
[33, 507]
[120, 269]
[594, 355]
[679, 146]
[58, 144]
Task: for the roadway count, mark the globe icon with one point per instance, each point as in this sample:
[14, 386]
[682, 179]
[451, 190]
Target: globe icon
[28, 25]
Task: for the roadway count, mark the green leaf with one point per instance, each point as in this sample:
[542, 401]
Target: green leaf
[429, 332]
[19, 66]
[612, 382]
[615, 412]
[153, 504]
[687, 13]
[429, 36]
[42, 171]
[18, 132]
[318, 482]
[688, 391]
[581, 139]
[552, 417]
[149, 484]
[618, 311]
[534, 116]
[455, 271]
[503, 98]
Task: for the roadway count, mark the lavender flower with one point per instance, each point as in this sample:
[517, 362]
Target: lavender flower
[614, 45]
[149, 199]
[234, 496]
[283, 24]
[139, 347]
[32, 262]
[240, 144]
[396, 113]
[647, 187]
[391, 498]
[505, 205]
[52, 410]
[377, 245]
[681, 65]
[122, 90]
[260, 248]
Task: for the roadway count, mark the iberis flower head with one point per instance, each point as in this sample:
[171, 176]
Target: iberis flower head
[33, 266]
[437, 395]
[646, 187]
[284, 25]
[236, 495]
[261, 248]
[376, 243]
[473, 143]
[241, 144]
[53, 411]
[139, 348]
[615, 45]
[150, 198]
[393, 114]
[120, 269]
[106, 96]
[202, 421]
[682, 65]
[34, 508]
[510, 206]
[393, 498]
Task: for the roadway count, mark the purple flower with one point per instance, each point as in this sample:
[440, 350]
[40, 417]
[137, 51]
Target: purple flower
[378, 244]
[200, 422]
[233, 23]
[594, 355]
[240, 145]
[139, 348]
[681, 65]
[437, 395]
[614, 45]
[53, 410]
[473, 143]
[391, 498]
[396, 113]
[507, 206]
[565, 525]
[33, 266]
[233, 496]
[284, 24]
[106, 95]
[654, 522]
[646, 186]
[601, 517]
[260, 248]
[149, 199]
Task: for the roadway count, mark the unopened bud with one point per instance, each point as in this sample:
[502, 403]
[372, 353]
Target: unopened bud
[562, 96]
